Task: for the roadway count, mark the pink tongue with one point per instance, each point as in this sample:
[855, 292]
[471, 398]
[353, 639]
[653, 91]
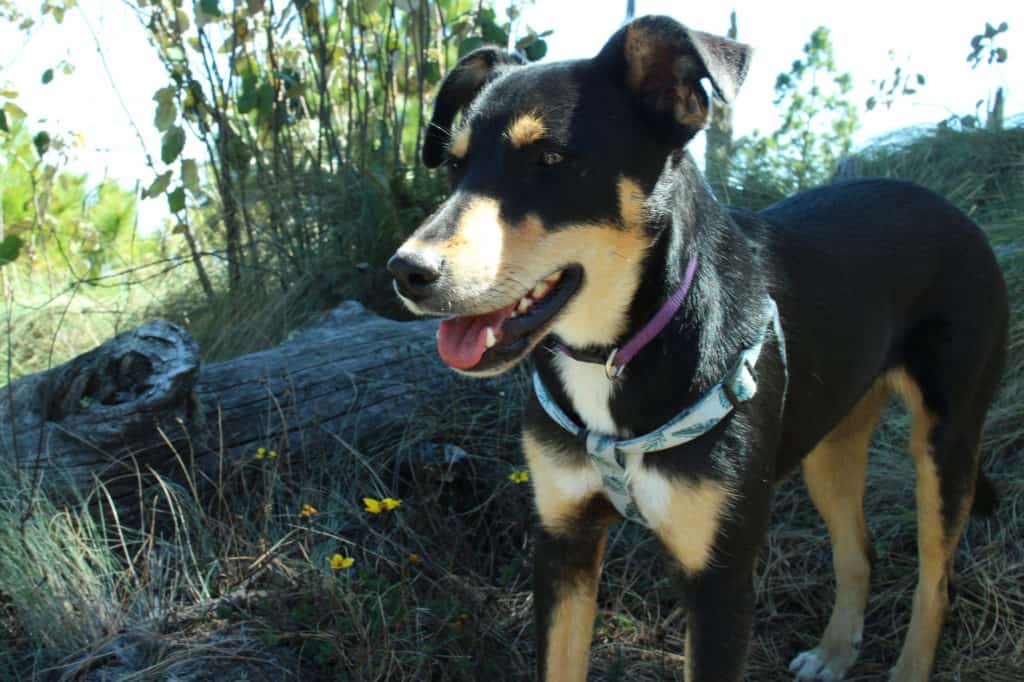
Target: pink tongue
[463, 340]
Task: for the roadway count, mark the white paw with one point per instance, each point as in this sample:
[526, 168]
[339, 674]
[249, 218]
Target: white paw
[813, 665]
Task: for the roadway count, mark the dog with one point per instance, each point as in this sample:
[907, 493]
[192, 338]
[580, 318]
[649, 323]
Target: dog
[688, 356]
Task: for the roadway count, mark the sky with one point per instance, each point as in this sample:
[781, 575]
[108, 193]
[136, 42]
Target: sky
[932, 38]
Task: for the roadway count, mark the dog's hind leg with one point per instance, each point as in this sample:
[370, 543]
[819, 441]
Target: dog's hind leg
[834, 473]
[573, 529]
[945, 453]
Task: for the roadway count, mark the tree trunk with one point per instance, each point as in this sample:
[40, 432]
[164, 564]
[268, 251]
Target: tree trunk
[142, 401]
[718, 151]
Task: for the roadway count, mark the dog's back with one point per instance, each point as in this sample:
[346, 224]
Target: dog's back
[905, 268]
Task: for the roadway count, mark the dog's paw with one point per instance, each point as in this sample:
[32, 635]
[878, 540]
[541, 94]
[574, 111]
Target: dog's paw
[819, 666]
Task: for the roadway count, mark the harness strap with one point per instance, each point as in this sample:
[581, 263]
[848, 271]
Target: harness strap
[608, 454]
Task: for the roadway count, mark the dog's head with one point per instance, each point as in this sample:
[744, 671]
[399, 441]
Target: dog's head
[547, 225]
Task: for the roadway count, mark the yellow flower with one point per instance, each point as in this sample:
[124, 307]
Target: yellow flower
[414, 558]
[521, 476]
[261, 453]
[272, 454]
[307, 511]
[339, 562]
[377, 506]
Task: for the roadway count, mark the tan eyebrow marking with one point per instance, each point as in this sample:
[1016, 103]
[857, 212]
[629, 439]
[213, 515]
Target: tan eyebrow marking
[526, 129]
[459, 146]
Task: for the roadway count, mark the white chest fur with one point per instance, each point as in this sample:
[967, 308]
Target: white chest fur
[590, 391]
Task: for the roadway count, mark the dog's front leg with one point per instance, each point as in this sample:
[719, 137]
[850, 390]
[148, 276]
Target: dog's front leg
[566, 571]
[721, 606]
[713, 532]
[574, 522]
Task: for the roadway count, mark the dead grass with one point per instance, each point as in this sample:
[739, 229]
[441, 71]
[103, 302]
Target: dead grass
[234, 583]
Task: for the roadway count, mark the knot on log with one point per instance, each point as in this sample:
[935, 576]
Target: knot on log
[83, 416]
[151, 367]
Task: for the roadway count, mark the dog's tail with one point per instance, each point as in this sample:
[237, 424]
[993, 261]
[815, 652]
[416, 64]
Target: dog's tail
[985, 498]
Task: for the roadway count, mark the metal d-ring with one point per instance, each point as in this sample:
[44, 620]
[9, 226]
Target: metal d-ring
[610, 370]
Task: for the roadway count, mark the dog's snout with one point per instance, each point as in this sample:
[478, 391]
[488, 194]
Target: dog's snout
[415, 273]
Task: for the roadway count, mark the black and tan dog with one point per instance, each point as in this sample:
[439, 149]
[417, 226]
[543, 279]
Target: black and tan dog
[575, 214]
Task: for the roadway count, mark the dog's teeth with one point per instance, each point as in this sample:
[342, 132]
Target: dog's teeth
[491, 338]
[539, 291]
[552, 279]
[524, 305]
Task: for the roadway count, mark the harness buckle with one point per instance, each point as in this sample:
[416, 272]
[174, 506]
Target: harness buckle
[611, 370]
[727, 385]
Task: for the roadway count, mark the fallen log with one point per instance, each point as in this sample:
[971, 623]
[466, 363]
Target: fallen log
[143, 402]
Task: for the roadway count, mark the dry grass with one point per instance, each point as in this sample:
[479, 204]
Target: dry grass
[234, 583]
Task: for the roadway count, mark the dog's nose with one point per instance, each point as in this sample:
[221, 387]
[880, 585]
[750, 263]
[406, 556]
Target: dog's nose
[415, 273]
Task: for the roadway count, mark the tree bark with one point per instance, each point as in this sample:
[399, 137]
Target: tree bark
[143, 402]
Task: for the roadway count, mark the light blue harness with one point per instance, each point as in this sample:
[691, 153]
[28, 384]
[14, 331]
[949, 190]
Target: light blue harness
[608, 455]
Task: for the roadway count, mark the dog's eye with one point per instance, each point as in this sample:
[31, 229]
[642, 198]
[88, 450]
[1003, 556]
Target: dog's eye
[551, 158]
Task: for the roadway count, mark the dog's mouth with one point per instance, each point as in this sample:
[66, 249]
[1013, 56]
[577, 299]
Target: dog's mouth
[478, 343]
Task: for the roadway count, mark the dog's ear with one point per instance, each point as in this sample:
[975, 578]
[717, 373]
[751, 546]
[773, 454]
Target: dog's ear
[457, 91]
[661, 62]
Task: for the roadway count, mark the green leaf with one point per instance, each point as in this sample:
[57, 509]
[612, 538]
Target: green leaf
[266, 97]
[175, 54]
[3, 122]
[431, 72]
[182, 20]
[537, 50]
[164, 94]
[211, 7]
[47, 76]
[190, 174]
[248, 101]
[172, 144]
[470, 44]
[10, 247]
[166, 114]
[920, 79]
[493, 33]
[159, 186]
[41, 142]
[176, 199]
[1001, 55]
[14, 111]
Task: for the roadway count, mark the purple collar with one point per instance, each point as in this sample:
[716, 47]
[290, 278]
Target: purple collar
[620, 357]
